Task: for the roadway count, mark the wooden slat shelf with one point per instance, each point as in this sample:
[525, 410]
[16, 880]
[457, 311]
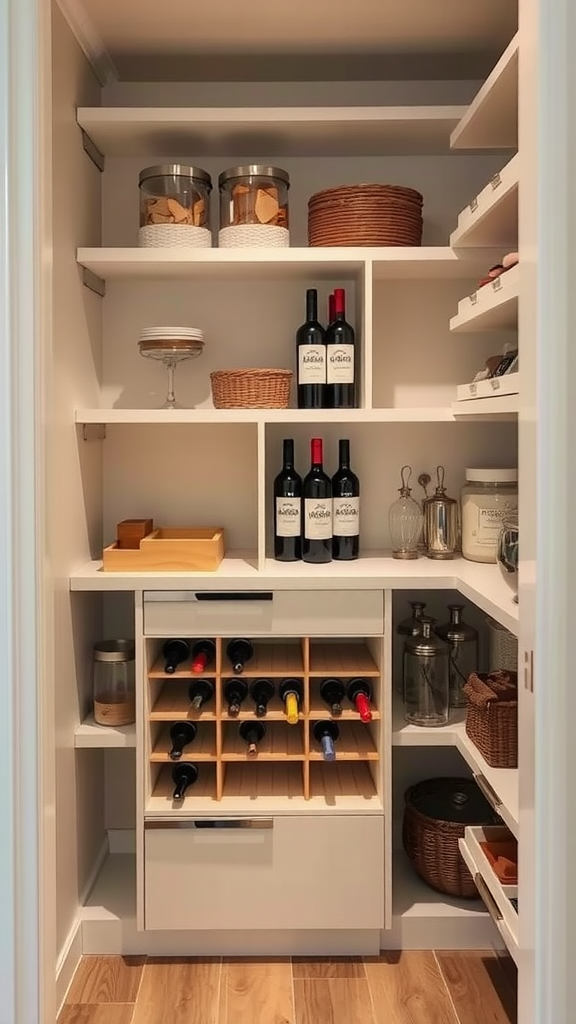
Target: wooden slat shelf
[173, 703]
[355, 743]
[341, 660]
[202, 792]
[318, 709]
[247, 781]
[269, 660]
[274, 713]
[183, 671]
[339, 779]
[282, 742]
[202, 749]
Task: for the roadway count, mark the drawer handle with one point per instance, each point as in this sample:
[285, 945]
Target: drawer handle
[234, 595]
[485, 788]
[488, 899]
[253, 823]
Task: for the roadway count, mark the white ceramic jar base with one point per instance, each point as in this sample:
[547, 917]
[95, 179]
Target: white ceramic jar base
[168, 236]
[254, 235]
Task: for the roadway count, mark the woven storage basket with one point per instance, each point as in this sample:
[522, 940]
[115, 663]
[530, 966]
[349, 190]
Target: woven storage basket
[431, 843]
[492, 717]
[365, 215]
[503, 647]
[251, 389]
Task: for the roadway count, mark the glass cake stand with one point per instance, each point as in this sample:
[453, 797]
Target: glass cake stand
[170, 352]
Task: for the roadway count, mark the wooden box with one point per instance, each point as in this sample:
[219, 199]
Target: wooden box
[130, 532]
[170, 549]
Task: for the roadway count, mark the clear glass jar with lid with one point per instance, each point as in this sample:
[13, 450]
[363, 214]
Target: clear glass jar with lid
[426, 678]
[175, 206]
[254, 207]
[488, 497]
[114, 682]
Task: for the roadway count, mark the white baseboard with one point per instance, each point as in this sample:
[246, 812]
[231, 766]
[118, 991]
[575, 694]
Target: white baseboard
[68, 961]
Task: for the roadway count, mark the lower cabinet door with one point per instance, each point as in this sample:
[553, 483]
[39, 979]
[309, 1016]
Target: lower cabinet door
[265, 873]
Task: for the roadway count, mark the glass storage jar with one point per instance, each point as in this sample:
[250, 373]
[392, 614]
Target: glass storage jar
[426, 679]
[175, 206]
[113, 681]
[488, 497]
[254, 207]
[462, 641]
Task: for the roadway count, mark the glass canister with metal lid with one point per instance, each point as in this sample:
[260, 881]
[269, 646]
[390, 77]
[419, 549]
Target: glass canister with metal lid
[175, 206]
[254, 207]
[441, 526]
[462, 641]
[426, 679]
[114, 682]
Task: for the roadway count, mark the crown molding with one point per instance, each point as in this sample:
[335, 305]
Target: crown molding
[89, 39]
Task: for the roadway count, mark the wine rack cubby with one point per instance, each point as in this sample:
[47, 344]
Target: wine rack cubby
[289, 763]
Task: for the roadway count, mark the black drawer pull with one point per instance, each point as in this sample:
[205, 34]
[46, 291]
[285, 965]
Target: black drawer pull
[234, 595]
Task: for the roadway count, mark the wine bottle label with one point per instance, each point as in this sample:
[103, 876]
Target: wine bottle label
[287, 517]
[312, 364]
[318, 518]
[340, 369]
[346, 512]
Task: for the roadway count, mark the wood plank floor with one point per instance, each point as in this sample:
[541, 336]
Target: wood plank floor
[395, 988]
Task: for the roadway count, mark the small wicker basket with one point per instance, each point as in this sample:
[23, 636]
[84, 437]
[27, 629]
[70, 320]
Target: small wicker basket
[251, 389]
[503, 647]
[492, 717]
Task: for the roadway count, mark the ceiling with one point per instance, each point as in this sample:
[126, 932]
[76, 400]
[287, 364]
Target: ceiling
[137, 30]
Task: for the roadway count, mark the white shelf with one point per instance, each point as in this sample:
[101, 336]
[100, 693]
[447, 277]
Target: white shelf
[493, 387]
[505, 407]
[492, 307]
[491, 219]
[281, 131]
[297, 263]
[414, 899]
[89, 734]
[504, 781]
[167, 417]
[491, 121]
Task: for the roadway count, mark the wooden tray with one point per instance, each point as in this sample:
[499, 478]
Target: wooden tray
[178, 549]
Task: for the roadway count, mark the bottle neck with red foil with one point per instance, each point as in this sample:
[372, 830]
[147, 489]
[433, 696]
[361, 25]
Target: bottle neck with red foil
[316, 454]
[339, 304]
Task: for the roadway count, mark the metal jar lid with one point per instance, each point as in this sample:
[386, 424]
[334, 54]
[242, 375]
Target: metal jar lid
[256, 171]
[175, 170]
[114, 650]
[425, 644]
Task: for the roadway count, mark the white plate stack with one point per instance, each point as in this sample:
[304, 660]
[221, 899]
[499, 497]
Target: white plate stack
[171, 339]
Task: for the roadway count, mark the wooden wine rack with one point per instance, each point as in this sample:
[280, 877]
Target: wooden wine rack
[289, 762]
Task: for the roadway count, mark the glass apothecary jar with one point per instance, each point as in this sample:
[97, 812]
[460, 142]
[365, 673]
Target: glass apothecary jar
[426, 679]
[488, 497]
[114, 682]
[462, 641]
[254, 207]
[175, 206]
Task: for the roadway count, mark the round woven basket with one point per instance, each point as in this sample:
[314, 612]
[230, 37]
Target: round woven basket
[365, 215]
[251, 389]
[431, 842]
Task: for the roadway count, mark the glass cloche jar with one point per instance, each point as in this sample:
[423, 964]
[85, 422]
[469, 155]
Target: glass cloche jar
[405, 520]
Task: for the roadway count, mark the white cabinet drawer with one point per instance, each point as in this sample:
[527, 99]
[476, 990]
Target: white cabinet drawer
[495, 894]
[251, 613]
[283, 872]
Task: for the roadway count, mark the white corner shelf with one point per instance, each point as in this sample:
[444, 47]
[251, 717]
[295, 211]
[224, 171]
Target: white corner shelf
[283, 131]
[167, 417]
[491, 219]
[492, 307]
[491, 120]
[89, 734]
[504, 408]
[494, 387]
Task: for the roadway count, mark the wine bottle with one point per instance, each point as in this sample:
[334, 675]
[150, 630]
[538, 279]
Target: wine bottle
[203, 652]
[288, 508]
[360, 693]
[311, 354]
[174, 653]
[340, 358]
[183, 775]
[181, 734]
[345, 507]
[200, 692]
[252, 733]
[317, 517]
[262, 691]
[291, 693]
[332, 692]
[326, 734]
[235, 692]
[239, 652]
[331, 309]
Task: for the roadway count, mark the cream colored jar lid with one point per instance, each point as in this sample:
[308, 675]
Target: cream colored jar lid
[493, 476]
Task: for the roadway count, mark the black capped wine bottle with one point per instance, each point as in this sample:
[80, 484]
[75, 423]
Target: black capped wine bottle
[291, 693]
[184, 775]
[201, 691]
[317, 511]
[340, 361]
[345, 507]
[326, 734]
[262, 691]
[311, 355]
[252, 733]
[235, 692]
[288, 508]
[203, 654]
[181, 734]
[332, 692]
[239, 651]
[174, 653]
[360, 694]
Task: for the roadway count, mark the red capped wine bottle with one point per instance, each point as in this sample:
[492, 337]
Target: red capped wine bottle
[332, 692]
[311, 355]
[252, 733]
[174, 653]
[262, 691]
[183, 776]
[345, 507]
[181, 734]
[235, 692]
[340, 351]
[201, 691]
[203, 653]
[317, 511]
[326, 734]
[288, 509]
[239, 652]
[360, 694]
